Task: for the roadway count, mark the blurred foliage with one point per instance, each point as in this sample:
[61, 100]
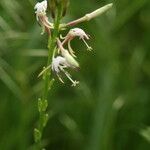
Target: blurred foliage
[110, 108]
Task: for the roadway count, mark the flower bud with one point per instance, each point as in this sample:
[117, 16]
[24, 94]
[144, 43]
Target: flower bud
[52, 6]
[70, 60]
[58, 4]
[65, 4]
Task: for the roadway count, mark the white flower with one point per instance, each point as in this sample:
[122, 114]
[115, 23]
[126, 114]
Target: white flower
[58, 65]
[41, 7]
[76, 32]
[61, 63]
[41, 17]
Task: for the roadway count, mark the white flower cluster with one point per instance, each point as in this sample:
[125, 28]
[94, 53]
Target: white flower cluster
[65, 58]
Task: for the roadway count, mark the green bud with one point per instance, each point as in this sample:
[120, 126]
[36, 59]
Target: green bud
[37, 135]
[65, 4]
[42, 105]
[51, 83]
[58, 4]
[70, 60]
[45, 119]
[52, 5]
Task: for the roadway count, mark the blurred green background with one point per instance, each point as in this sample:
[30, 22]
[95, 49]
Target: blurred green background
[109, 110]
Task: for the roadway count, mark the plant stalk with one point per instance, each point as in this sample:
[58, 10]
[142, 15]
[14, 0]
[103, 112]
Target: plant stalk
[43, 102]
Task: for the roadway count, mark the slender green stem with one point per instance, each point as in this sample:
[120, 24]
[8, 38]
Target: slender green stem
[51, 47]
[43, 102]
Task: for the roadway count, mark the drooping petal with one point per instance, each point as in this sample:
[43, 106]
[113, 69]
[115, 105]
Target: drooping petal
[71, 51]
[89, 48]
[74, 82]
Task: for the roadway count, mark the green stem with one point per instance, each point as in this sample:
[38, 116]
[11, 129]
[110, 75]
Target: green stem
[43, 103]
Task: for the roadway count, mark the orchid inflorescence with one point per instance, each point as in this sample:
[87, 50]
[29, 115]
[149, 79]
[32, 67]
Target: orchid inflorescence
[64, 58]
[61, 56]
